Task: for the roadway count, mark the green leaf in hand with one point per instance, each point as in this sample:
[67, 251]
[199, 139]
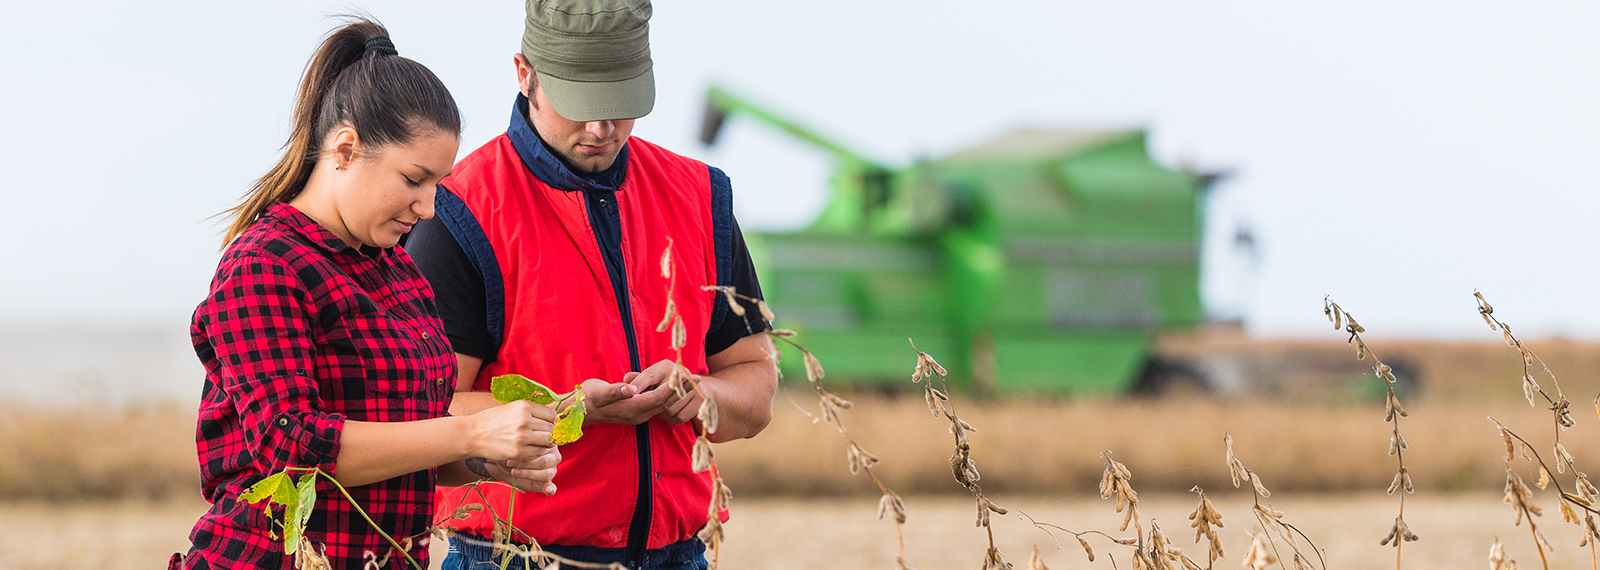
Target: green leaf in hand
[569, 423]
[295, 526]
[512, 387]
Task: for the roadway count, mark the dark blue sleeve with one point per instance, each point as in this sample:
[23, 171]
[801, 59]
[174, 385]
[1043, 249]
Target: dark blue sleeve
[453, 254]
[735, 269]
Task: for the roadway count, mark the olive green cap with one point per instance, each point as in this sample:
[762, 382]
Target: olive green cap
[592, 57]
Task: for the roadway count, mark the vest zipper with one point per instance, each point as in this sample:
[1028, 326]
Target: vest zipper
[639, 525]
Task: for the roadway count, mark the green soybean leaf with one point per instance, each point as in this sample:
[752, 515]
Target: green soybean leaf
[286, 495]
[569, 423]
[267, 488]
[306, 497]
[512, 387]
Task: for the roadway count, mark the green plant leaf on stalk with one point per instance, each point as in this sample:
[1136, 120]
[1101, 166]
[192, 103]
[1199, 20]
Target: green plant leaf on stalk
[569, 423]
[306, 500]
[512, 387]
[276, 487]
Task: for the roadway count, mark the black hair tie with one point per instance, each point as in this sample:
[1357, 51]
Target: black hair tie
[381, 45]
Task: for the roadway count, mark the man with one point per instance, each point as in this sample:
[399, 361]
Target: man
[545, 257]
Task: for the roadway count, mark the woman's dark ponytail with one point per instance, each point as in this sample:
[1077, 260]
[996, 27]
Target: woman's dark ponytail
[356, 78]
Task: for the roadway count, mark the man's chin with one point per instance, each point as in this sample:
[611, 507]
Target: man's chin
[589, 164]
[593, 164]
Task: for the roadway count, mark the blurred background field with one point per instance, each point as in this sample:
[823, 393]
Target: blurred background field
[116, 486]
[1314, 425]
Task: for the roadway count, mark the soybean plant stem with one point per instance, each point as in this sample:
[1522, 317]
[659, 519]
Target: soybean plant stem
[363, 514]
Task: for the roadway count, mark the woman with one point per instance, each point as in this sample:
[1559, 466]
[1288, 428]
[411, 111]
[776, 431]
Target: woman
[320, 339]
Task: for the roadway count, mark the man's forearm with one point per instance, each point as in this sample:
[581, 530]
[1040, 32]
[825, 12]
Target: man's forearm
[466, 400]
[468, 403]
[743, 393]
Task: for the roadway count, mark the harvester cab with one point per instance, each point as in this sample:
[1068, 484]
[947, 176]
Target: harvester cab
[1043, 261]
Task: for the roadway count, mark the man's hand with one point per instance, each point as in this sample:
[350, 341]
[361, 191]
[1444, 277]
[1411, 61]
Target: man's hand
[653, 381]
[630, 402]
[679, 410]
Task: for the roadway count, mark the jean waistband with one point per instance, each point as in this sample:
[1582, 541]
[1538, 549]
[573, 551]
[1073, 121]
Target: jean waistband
[681, 552]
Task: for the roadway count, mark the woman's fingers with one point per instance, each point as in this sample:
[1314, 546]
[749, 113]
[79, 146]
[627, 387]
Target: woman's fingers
[528, 477]
[535, 443]
[514, 430]
[536, 411]
[544, 460]
[540, 482]
[538, 472]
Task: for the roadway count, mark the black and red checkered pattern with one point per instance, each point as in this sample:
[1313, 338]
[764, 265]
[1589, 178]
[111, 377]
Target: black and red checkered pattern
[300, 333]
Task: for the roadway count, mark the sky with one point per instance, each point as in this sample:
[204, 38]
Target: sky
[1397, 156]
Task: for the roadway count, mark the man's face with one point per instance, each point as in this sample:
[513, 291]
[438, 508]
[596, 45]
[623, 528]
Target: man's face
[588, 147]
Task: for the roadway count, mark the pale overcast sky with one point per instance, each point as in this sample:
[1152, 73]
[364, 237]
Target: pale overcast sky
[1395, 155]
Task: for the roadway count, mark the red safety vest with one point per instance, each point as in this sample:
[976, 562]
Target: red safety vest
[563, 325]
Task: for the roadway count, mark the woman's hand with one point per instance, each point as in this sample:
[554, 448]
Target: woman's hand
[516, 431]
[532, 475]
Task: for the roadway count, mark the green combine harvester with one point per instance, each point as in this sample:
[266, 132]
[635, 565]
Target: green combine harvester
[1041, 262]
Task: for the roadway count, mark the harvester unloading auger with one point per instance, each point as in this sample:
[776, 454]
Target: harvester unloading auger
[1042, 261]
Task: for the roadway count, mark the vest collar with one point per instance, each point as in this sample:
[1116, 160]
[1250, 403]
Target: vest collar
[548, 168]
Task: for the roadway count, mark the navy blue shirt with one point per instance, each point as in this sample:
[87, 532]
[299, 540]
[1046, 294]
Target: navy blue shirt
[459, 287]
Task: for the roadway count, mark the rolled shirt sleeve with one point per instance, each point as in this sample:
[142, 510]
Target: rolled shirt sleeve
[262, 336]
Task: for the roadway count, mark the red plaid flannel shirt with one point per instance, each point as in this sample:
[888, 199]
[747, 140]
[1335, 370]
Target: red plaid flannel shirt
[300, 333]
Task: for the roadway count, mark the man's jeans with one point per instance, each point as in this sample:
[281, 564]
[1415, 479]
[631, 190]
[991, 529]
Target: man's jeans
[477, 555]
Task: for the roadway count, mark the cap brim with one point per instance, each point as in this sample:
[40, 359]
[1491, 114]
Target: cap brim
[585, 101]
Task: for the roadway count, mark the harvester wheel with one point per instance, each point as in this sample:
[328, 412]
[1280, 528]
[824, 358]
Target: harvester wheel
[1163, 377]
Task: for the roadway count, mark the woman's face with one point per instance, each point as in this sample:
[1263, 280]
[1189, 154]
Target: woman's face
[386, 193]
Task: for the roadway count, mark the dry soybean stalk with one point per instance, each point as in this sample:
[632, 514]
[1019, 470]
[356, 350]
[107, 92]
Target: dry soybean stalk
[1156, 553]
[1559, 407]
[1517, 492]
[961, 464]
[707, 416]
[532, 555]
[1202, 519]
[1050, 529]
[833, 407]
[1400, 533]
[307, 556]
[1572, 504]
[1272, 520]
[1497, 558]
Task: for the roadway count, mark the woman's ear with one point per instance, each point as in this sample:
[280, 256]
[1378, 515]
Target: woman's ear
[344, 145]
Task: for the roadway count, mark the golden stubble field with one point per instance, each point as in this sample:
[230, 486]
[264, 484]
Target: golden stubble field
[842, 533]
[117, 488]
